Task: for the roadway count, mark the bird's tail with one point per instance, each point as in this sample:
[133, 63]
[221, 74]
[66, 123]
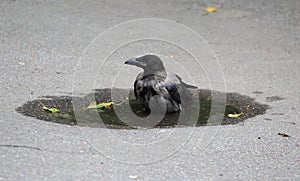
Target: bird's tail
[189, 86]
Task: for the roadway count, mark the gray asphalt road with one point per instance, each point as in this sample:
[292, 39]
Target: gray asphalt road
[257, 43]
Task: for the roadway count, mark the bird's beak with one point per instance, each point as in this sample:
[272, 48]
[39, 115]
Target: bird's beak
[131, 61]
[134, 61]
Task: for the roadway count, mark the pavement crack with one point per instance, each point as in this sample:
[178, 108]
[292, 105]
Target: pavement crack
[20, 146]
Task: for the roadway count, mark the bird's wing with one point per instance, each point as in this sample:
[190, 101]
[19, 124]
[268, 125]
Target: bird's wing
[177, 88]
[173, 92]
[172, 84]
[169, 88]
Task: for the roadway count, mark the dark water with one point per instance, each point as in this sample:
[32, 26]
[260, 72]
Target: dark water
[235, 104]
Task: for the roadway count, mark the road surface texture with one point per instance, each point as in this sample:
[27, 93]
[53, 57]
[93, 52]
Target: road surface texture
[258, 47]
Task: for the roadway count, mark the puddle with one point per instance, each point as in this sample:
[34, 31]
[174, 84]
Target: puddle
[235, 104]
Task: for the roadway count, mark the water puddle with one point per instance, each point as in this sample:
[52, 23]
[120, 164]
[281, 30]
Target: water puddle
[235, 105]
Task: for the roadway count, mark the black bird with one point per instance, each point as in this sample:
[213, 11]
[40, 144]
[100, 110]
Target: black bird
[168, 89]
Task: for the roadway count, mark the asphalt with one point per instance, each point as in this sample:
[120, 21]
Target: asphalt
[257, 44]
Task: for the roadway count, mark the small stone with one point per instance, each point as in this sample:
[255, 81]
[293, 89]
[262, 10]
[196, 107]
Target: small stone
[133, 176]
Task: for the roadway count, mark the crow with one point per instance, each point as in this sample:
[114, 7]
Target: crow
[167, 88]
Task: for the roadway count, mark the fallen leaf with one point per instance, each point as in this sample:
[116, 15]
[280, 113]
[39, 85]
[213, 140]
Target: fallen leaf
[51, 109]
[211, 9]
[234, 115]
[103, 105]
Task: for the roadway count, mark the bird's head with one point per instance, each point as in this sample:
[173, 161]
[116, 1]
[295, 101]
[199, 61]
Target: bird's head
[151, 64]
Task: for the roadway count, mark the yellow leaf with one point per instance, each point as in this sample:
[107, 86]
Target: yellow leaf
[104, 105]
[235, 115]
[210, 9]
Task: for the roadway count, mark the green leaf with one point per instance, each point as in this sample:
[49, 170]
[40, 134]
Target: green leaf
[103, 105]
[52, 110]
